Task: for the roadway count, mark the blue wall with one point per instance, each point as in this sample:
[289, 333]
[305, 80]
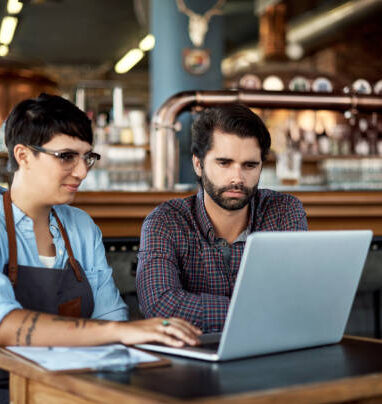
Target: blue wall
[167, 74]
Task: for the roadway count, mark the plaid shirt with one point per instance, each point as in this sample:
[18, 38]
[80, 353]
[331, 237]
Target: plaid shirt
[183, 269]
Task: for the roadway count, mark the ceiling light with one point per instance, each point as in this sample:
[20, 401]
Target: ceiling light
[14, 6]
[8, 26]
[147, 43]
[131, 58]
[4, 50]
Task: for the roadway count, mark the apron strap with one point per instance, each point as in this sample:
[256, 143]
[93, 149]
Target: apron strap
[64, 235]
[12, 245]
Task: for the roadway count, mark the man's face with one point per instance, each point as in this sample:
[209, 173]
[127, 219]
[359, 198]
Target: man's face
[231, 170]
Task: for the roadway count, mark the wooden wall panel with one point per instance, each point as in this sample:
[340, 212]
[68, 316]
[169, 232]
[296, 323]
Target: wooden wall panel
[120, 214]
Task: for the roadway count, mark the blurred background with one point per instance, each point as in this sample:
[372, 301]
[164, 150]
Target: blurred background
[121, 60]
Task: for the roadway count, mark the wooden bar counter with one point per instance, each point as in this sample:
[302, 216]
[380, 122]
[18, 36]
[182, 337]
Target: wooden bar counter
[120, 214]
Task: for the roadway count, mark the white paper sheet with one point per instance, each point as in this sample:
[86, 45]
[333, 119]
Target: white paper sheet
[103, 357]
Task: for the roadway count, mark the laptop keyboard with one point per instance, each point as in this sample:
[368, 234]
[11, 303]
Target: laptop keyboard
[212, 346]
[209, 343]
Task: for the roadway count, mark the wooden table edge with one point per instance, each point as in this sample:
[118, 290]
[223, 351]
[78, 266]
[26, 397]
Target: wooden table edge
[84, 386]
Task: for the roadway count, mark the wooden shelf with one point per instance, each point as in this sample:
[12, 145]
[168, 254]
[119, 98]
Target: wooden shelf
[131, 146]
[313, 158]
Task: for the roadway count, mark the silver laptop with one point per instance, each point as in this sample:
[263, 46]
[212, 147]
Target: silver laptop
[293, 290]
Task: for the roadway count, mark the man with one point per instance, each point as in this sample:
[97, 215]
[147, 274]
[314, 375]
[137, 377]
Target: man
[191, 248]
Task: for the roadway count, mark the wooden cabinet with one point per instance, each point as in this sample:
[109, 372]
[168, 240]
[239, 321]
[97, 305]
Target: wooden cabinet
[18, 84]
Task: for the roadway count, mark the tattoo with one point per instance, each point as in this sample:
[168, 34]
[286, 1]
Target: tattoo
[75, 321]
[98, 322]
[18, 332]
[79, 322]
[28, 337]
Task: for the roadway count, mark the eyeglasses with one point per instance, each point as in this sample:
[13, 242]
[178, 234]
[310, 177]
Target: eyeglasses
[69, 159]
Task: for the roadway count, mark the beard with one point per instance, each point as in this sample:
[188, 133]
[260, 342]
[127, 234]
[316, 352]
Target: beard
[231, 203]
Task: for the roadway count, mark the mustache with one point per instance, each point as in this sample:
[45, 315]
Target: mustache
[235, 187]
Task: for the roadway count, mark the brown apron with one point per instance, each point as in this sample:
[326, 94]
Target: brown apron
[65, 291]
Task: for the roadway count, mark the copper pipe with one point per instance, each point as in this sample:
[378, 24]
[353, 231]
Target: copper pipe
[162, 130]
[163, 126]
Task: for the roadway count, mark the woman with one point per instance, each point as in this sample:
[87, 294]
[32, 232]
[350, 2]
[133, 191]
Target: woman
[55, 285]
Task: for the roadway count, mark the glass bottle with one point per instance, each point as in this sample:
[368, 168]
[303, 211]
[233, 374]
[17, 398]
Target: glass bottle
[373, 134]
[323, 142]
[343, 133]
[288, 163]
[362, 145]
[379, 139]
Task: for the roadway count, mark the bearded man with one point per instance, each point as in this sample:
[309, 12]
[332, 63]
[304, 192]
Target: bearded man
[191, 248]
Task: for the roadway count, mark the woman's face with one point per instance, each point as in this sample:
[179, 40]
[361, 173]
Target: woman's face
[56, 182]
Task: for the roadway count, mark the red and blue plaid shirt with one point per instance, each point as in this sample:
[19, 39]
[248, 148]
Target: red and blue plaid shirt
[183, 269]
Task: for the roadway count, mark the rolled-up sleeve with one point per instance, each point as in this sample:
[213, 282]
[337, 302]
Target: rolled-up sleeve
[8, 301]
[108, 304]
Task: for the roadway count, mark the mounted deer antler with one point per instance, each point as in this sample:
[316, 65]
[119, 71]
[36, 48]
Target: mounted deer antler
[198, 24]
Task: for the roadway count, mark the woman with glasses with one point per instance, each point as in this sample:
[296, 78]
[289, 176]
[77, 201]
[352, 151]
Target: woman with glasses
[55, 285]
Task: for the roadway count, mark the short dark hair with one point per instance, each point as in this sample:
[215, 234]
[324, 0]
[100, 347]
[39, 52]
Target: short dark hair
[36, 121]
[237, 119]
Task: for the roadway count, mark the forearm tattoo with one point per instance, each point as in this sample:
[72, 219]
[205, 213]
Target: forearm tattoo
[79, 322]
[18, 332]
[28, 337]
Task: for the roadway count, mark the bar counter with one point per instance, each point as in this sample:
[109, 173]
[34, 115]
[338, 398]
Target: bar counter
[120, 214]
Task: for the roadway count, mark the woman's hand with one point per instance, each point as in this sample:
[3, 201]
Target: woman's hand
[25, 327]
[169, 331]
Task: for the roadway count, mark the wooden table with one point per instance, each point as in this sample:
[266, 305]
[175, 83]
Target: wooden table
[120, 214]
[347, 372]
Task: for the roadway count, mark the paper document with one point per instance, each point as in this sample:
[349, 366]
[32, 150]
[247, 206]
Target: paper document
[114, 357]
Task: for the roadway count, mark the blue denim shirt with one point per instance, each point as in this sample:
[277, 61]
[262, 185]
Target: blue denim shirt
[86, 241]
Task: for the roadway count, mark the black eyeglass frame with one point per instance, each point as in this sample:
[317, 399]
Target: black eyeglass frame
[60, 154]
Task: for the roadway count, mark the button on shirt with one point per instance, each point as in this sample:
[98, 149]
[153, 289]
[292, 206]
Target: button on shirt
[86, 241]
[184, 270]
